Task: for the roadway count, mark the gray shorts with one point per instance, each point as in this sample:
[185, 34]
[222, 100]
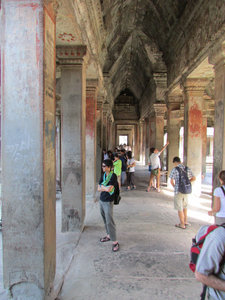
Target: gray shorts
[180, 201]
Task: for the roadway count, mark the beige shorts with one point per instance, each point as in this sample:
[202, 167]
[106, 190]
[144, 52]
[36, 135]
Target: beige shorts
[180, 201]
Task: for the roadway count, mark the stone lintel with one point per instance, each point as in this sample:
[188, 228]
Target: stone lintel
[71, 55]
[161, 85]
[217, 54]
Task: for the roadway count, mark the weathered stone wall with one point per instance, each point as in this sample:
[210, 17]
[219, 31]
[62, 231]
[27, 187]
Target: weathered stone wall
[199, 28]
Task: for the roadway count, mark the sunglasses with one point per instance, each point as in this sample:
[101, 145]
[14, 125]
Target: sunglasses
[103, 166]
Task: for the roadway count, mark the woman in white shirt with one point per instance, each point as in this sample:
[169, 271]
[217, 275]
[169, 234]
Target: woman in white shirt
[130, 171]
[218, 208]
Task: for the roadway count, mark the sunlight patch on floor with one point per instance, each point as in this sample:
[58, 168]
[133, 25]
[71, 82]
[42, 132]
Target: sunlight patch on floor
[200, 216]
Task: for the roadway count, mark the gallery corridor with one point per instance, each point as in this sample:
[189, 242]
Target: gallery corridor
[152, 263]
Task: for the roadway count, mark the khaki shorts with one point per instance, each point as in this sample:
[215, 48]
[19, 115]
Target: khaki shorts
[180, 201]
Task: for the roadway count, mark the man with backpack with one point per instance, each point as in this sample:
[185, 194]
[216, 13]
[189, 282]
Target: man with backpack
[210, 268]
[181, 178]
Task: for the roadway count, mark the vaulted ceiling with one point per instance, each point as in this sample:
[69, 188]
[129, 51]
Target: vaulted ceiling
[136, 40]
[142, 47]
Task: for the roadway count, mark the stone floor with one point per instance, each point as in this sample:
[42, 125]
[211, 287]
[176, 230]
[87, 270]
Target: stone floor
[153, 259]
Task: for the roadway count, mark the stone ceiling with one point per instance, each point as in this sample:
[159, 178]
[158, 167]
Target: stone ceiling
[136, 40]
[142, 46]
[127, 39]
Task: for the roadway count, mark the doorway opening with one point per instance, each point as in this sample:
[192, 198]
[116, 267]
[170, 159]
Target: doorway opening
[123, 139]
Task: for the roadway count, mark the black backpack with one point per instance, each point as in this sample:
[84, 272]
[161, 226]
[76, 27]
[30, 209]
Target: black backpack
[184, 185]
[117, 196]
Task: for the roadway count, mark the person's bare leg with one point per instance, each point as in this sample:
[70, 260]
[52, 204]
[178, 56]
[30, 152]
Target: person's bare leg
[181, 217]
[150, 182]
[185, 215]
[158, 181]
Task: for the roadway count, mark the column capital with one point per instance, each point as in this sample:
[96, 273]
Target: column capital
[194, 84]
[91, 85]
[71, 55]
[158, 109]
[217, 54]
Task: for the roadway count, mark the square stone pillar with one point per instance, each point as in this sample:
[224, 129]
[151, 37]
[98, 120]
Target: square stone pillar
[217, 58]
[173, 128]
[193, 125]
[147, 140]
[73, 115]
[136, 142]
[28, 148]
[144, 143]
[152, 132]
[141, 130]
[91, 111]
[157, 126]
[105, 130]
[99, 137]
[160, 110]
[204, 143]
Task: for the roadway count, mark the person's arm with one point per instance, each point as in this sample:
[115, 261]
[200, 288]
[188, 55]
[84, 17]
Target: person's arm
[193, 178]
[172, 182]
[211, 281]
[163, 148]
[216, 206]
[102, 188]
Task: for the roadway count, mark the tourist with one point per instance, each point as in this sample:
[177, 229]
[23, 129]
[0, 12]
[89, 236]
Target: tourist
[130, 171]
[218, 209]
[180, 199]
[106, 186]
[154, 162]
[117, 165]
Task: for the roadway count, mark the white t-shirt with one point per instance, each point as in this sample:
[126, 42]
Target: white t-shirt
[155, 161]
[219, 193]
[130, 162]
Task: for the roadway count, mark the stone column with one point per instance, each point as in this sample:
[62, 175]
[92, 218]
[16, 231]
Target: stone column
[217, 58]
[110, 134]
[152, 131]
[137, 142]
[173, 126]
[144, 143]
[91, 111]
[147, 140]
[28, 148]
[204, 143]
[99, 137]
[73, 135]
[141, 129]
[58, 143]
[160, 110]
[105, 130]
[193, 107]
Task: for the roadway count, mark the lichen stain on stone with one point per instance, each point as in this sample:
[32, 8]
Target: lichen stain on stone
[195, 121]
[73, 219]
[50, 133]
[72, 168]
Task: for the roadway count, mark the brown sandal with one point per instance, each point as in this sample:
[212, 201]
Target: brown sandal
[104, 239]
[115, 247]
